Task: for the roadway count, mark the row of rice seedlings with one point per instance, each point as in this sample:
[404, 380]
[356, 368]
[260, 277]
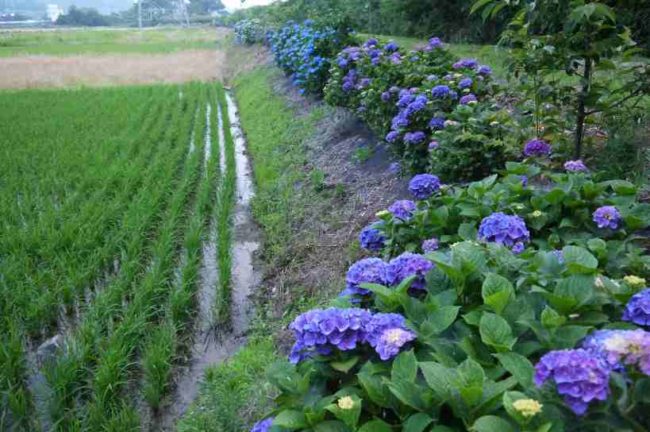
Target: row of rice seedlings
[16, 406]
[160, 347]
[224, 211]
[70, 374]
[146, 307]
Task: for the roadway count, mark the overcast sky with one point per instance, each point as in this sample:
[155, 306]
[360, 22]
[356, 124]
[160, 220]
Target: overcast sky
[236, 4]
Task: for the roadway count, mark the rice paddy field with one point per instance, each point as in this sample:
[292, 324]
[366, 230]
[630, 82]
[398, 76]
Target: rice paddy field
[107, 199]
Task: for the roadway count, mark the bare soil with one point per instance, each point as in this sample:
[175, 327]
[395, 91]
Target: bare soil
[111, 69]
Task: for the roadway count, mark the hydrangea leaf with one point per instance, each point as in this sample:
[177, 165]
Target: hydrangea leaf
[491, 423]
[410, 394]
[497, 292]
[496, 332]
[345, 366]
[579, 260]
[405, 366]
[439, 378]
[440, 320]
[518, 366]
[375, 426]
[290, 419]
[417, 423]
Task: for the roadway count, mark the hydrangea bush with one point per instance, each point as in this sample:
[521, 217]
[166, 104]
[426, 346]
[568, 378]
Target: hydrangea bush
[249, 31]
[514, 303]
[411, 97]
[305, 51]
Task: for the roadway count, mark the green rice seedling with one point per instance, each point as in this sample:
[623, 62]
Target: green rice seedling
[156, 364]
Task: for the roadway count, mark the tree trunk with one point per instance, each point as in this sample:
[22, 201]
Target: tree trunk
[581, 115]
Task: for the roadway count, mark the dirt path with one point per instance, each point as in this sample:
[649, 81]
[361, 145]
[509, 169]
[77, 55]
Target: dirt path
[110, 69]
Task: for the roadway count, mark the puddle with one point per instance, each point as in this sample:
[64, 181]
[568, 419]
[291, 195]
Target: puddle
[208, 138]
[212, 345]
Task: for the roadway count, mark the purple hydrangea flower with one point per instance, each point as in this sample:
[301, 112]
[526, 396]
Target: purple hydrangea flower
[263, 425]
[430, 245]
[364, 82]
[468, 99]
[465, 63]
[621, 348]
[484, 70]
[414, 137]
[403, 209]
[504, 229]
[396, 58]
[435, 42]
[575, 166]
[437, 123]
[371, 238]
[370, 43]
[433, 145]
[607, 217]
[440, 91]
[465, 83]
[537, 147]
[320, 331]
[392, 136]
[368, 270]
[422, 186]
[524, 180]
[387, 334]
[637, 309]
[518, 248]
[385, 96]
[406, 265]
[579, 376]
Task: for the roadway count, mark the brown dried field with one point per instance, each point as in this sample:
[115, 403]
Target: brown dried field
[110, 69]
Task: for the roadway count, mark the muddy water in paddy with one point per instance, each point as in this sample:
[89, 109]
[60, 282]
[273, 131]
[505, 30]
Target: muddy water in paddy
[211, 345]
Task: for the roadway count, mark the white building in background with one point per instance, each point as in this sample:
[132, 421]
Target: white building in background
[54, 11]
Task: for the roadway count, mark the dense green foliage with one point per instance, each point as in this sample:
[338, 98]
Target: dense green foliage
[82, 17]
[485, 315]
[104, 213]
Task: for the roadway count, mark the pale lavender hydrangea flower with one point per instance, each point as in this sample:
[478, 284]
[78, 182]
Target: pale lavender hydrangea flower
[387, 334]
[422, 186]
[414, 137]
[504, 229]
[403, 209]
[468, 99]
[575, 166]
[406, 265]
[430, 245]
[484, 70]
[465, 63]
[637, 309]
[621, 348]
[607, 217]
[580, 377]
[433, 145]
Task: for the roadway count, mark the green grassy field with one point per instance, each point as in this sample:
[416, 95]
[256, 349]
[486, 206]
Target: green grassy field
[98, 41]
[104, 203]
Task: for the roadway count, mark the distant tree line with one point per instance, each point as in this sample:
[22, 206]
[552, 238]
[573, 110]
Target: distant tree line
[449, 19]
[86, 17]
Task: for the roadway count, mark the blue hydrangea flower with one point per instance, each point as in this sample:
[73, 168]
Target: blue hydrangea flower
[368, 270]
[387, 334]
[437, 123]
[385, 96]
[504, 229]
[371, 238]
[406, 265]
[433, 145]
[580, 377]
[518, 248]
[370, 43]
[465, 83]
[422, 186]
[484, 70]
[263, 425]
[524, 180]
[391, 46]
[395, 168]
[440, 91]
[637, 309]
[430, 245]
[396, 58]
[321, 331]
[620, 348]
[537, 147]
[402, 209]
[392, 136]
[607, 217]
[468, 99]
[416, 137]
[575, 166]
[435, 42]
